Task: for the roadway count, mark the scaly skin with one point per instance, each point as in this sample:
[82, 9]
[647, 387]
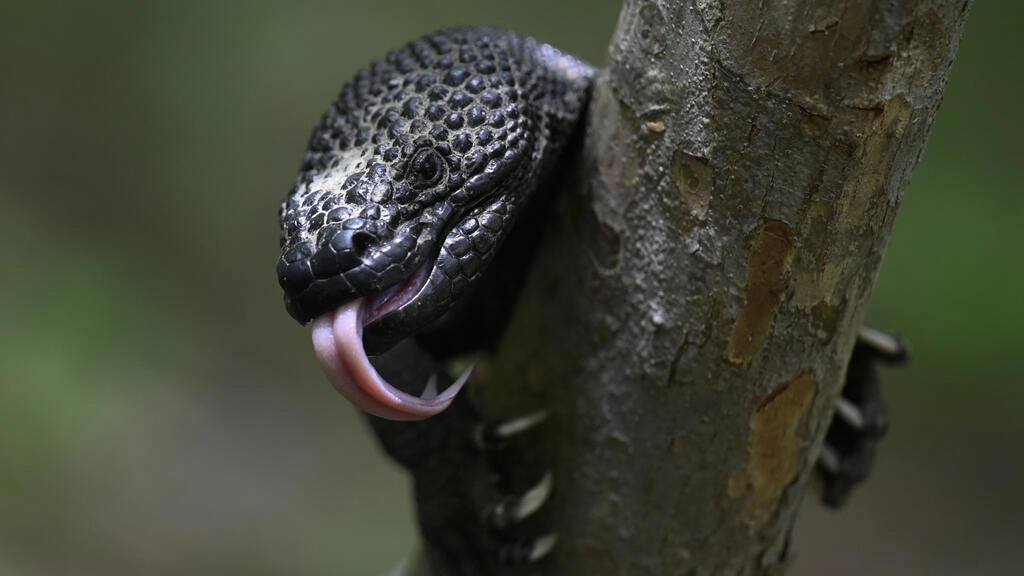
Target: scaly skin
[412, 180]
[395, 233]
[425, 157]
[406, 236]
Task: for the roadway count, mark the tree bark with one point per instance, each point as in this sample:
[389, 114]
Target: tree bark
[690, 315]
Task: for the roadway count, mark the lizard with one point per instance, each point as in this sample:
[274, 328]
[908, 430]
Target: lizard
[404, 240]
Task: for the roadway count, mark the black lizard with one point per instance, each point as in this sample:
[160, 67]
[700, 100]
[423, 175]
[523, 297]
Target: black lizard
[408, 232]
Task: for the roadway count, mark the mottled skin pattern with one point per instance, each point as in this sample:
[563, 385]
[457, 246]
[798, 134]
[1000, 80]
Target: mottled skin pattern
[425, 167]
[433, 150]
[428, 157]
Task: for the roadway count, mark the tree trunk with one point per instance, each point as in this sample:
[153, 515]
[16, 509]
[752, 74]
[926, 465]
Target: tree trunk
[689, 322]
[691, 312]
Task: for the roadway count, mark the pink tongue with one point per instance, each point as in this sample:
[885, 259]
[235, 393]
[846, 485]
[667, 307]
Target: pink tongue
[338, 342]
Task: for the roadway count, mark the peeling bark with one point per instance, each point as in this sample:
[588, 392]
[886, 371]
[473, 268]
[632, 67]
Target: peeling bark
[690, 315]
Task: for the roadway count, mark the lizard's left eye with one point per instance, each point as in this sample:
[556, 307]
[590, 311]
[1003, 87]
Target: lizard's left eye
[427, 168]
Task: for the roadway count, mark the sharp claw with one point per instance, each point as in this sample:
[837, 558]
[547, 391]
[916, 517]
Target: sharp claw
[868, 423]
[489, 436]
[528, 552]
[849, 413]
[534, 498]
[543, 546]
[518, 509]
[887, 346]
[829, 459]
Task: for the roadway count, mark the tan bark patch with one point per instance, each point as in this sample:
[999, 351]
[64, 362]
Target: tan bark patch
[775, 443]
[771, 251]
[810, 287]
[887, 124]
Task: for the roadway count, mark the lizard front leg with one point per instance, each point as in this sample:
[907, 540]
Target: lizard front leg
[473, 520]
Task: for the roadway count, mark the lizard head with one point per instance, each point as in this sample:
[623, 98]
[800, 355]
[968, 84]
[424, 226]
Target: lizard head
[407, 189]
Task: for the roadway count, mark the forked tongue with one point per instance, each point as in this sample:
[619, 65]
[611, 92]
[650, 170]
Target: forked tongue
[338, 342]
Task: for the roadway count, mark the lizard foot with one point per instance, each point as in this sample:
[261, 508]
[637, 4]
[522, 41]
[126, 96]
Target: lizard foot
[509, 509]
[860, 417]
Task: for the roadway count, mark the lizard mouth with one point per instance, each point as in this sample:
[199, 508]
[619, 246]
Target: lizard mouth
[392, 299]
[338, 343]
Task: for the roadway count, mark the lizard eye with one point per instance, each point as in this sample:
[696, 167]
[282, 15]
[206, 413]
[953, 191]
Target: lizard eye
[427, 168]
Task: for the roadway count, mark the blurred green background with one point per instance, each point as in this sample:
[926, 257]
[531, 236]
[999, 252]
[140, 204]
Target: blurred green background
[161, 414]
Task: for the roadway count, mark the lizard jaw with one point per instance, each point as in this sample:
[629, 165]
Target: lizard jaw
[338, 343]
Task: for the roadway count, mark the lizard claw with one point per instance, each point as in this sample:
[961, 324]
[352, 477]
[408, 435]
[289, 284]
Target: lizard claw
[493, 435]
[867, 423]
[502, 511]
[516, 509]
[885, 346]
[529, 551]
[828, 460]
[860, 417]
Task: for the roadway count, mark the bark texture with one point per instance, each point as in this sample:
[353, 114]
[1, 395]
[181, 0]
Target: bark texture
[695, 302]
[693, 308]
